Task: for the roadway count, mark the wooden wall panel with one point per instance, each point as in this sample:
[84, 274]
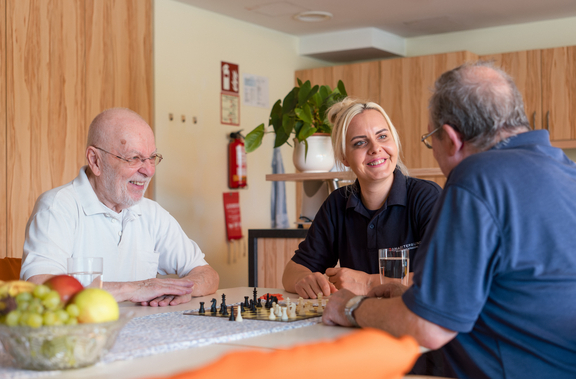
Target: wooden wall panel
[525, 67]
[362, 80]
[119, 70]
[559, 92]
[45, 72]
[320, 76]
[2, 128]
[273, 255]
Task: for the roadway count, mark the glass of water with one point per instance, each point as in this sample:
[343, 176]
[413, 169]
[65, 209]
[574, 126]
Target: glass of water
[394, 264]
[88, 270]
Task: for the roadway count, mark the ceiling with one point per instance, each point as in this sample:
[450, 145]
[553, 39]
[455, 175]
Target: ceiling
[396, 18]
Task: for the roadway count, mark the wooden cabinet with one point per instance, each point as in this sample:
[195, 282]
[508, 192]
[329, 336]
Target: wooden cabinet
[361, 79]
[65, 61]
[525, 67]
[269, 250]
[559, 95]
[547, 81]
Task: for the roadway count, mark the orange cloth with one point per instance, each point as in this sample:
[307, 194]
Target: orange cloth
[10, 268]
[366, 354]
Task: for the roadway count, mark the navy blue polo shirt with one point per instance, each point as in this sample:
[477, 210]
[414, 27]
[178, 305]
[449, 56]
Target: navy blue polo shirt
[344, 230]
[498, 263]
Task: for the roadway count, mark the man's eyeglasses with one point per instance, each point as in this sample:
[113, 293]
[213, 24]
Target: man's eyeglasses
[136, 161]
[426, 136]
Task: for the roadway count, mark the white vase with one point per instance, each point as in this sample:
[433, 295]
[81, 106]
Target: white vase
[320, 156]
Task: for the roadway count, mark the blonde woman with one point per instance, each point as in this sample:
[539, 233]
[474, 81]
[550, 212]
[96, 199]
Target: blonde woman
[384, 208]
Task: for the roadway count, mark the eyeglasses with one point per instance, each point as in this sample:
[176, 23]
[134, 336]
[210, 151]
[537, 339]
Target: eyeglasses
[135, 161]
[426, 136]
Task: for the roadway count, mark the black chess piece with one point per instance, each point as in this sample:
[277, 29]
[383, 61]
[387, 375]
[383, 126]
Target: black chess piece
[259, 305]
[242, 308]
[232, 317]
[213, 307]
[252, 306]
[223, 307]
[246, 304]
[255, 292]
[268, 303]
[202, 310]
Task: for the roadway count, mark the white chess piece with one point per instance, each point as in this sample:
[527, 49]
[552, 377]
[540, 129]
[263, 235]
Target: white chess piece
[272, 315]
[278, 310]
[284, 315]
[292, 311]
[239, 317]
[288, 302]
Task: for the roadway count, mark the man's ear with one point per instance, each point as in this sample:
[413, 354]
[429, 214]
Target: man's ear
[454, 139]
[93, 160]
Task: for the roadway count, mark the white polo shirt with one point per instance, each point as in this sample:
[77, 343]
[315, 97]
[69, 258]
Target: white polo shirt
[136, 244]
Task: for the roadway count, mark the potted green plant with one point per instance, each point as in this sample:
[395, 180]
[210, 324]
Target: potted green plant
[302, 113]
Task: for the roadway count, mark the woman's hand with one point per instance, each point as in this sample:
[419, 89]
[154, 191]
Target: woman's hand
[355, 281]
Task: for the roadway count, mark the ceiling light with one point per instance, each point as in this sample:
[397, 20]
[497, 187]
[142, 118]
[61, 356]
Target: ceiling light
[313, 16]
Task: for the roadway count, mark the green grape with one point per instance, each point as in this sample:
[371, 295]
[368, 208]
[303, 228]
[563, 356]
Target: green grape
[23, 297]
[13, 318]
[34, 320]
[58, 321]
[36, 308]
[73, 310]
[49, 318]
[24, 318]
[23, 306]
[62, 315]
[51, 301]
[41, 291]
[72, 321]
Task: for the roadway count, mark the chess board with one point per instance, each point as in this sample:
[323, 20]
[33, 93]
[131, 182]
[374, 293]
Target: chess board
[259, 313]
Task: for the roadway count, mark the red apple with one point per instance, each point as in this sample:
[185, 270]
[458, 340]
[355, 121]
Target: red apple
[67, 286]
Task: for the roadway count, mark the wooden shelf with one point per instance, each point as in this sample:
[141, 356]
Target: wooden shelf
[302, 176]
[343, 175]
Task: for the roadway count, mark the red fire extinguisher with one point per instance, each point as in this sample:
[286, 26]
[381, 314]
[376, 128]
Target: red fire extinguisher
[236, 161]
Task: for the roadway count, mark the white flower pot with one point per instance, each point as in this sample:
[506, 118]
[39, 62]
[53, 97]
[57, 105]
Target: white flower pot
[320, 156]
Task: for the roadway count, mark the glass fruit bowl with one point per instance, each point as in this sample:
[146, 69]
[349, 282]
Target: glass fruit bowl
[60, 347]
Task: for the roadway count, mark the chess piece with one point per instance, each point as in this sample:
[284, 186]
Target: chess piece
[255, 294]
[202, 310]
[292, 313]
[239, 317]
[284, 314]
[259, 305]
[225, 310]
[272, 315]
[242, 308]
[213, 307]
[232, 318]
[246, 303]
[268, 304]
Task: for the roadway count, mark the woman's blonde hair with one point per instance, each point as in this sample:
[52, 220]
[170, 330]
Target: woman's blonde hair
[340, 115]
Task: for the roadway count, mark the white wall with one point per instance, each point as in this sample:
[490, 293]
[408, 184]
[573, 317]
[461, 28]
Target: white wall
[535, 35]
[189, 45]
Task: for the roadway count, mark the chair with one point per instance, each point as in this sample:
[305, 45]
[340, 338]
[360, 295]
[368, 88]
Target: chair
[10, 268]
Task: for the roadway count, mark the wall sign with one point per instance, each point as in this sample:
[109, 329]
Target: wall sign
[229, 94]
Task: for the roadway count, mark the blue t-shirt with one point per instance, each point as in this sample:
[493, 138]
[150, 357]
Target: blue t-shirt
[498, 262]
[343, 229]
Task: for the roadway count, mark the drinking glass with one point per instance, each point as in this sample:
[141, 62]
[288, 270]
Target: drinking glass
[88, 270]
[395, 264]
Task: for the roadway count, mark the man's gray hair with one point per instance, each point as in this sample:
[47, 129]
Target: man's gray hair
[481, 105]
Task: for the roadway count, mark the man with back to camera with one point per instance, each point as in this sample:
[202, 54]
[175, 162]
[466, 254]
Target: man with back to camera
[102, 213]
[495, 282]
